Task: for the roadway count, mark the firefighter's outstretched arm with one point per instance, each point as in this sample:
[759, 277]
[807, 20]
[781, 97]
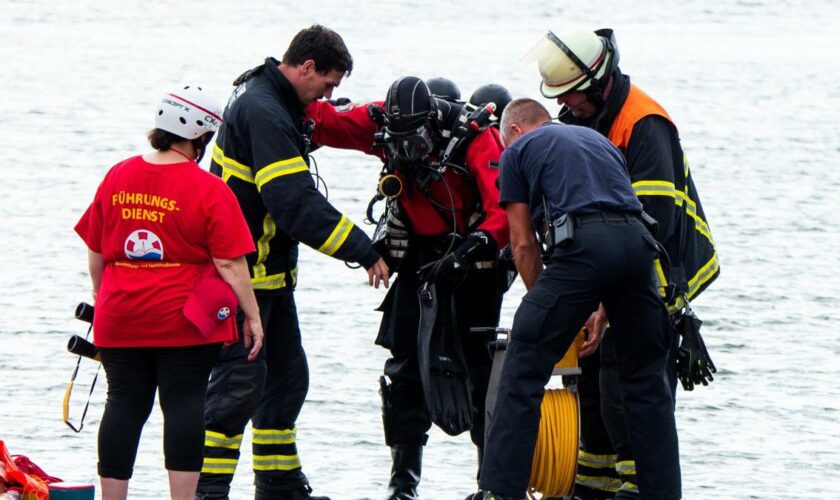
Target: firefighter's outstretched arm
[298, 209]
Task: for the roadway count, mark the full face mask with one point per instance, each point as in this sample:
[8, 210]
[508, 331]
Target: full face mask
[411, 146]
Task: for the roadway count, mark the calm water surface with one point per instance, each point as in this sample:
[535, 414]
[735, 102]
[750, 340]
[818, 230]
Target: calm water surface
[752, 86]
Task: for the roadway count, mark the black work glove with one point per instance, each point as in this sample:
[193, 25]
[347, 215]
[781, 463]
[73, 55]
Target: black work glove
[694, 365]
[454, 266]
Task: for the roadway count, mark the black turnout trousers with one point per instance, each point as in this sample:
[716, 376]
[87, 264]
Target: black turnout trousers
[269, 392]
[609, 262]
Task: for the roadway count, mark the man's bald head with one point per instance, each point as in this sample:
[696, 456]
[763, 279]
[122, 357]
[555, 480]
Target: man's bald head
[520, 116]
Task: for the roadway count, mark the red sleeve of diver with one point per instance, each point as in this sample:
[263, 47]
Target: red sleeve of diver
[348, 126]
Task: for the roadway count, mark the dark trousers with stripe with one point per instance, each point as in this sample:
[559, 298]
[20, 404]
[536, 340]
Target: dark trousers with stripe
[612, 414]
[269, 392]
[609, 262]
[596, 477]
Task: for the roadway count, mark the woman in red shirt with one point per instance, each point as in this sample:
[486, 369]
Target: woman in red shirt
[167, 244]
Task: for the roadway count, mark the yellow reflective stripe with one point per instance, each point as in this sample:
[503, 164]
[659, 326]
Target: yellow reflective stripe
[703, 275]
[626, 467]
[276, 462]
[231, 167]
[269, 230]
[629, 487]
[596, 461]
[274, 436]
[691, 209]
[218, 440]
[337, 237]
[279, 169]
[654, 188]
[272, 281]
[219, 465]
[602, 483]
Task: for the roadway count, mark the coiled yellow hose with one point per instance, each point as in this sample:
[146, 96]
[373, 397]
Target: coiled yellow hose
[555, 456]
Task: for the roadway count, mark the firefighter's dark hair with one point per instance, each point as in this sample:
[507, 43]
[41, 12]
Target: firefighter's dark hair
[322, 45]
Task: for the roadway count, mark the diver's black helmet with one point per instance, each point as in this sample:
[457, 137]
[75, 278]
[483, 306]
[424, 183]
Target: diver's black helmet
[444, 88]
[408, 105]
[492, 93]
[410, 111]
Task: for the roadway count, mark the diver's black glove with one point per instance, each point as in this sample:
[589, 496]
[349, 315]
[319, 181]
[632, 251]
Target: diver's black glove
[694, 365]
[339, 101]
[454, 266]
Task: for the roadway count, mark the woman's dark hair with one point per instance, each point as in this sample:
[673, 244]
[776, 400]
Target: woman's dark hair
[322, 45]
[163, 140]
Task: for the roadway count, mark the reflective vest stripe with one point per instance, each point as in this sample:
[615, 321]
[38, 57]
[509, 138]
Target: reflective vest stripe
[218, 440]
[279, 169]
[337, 237]
[219, 465]
[601, 483]
[274, 436]
[273, 281]
[231, 167]
[276, 462]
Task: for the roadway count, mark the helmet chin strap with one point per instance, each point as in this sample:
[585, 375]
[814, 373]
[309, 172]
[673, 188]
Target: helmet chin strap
[200, 145]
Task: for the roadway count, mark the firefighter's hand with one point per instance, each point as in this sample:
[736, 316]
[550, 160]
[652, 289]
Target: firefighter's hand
[253, 332]
[595, 326]
[377, 273]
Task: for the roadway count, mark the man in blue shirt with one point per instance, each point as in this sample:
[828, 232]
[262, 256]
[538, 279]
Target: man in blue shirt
[570, 185]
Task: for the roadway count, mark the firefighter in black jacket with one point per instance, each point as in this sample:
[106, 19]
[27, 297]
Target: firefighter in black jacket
[262, 154]
[580, 69]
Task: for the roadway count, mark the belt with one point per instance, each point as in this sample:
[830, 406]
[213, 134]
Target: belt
[581, 219]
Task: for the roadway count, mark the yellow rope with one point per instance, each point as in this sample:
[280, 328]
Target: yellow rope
[556, 453]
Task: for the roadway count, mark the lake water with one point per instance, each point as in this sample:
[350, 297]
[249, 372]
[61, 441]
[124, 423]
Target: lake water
[752, 85]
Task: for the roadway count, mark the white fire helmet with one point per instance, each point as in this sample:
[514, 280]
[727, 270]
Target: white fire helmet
[570, 61]
[188, 112]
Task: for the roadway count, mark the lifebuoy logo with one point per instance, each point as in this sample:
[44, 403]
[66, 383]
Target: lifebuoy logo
[143, 245]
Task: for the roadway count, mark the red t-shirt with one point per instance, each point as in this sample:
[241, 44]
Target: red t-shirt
[156, 226]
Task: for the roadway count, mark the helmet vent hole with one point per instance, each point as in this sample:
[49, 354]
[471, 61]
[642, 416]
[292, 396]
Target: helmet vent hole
[160, 112]
[199, 123]
[182, 120]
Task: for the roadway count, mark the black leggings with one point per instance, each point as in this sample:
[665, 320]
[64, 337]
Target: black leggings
[180, 374]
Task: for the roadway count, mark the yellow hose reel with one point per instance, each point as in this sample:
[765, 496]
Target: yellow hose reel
[556, 452]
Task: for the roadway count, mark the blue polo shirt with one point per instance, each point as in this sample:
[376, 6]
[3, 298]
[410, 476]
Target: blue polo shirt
[578, 170]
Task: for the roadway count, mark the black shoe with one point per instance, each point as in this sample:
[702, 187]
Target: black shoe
[302, 493]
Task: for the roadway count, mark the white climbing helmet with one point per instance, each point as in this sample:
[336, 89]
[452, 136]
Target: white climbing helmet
[188, 112]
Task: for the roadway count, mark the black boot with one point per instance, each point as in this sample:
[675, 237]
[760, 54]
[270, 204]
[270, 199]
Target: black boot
[405, 472]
